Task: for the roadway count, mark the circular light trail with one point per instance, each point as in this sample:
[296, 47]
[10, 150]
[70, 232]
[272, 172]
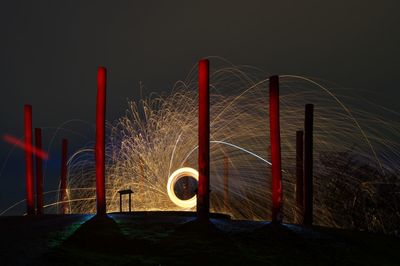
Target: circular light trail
[174, 177]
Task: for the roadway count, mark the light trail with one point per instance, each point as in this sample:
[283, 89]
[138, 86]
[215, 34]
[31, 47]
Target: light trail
[344, 108]
[178, 174]
[231, 145]
[68, 201]
[26, 147]
[353, 143]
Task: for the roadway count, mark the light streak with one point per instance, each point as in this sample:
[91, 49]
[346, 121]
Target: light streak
[353, 141]
[26, 147]
[231, 145]
[174, 177]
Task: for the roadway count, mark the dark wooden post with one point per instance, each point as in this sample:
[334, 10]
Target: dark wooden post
[130, 208]
[299, 177]
[120, 202]
[308, 164]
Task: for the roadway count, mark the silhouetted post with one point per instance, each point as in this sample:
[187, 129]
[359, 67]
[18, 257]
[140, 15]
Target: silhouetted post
[120, 202]
[39, 172]
[308, 165]
[130, 202]
[123, 192]
[30, 208]
[203, 191]
[275, 149]
[100, 141]
[226, 180]
[299, 176]
[64, 170]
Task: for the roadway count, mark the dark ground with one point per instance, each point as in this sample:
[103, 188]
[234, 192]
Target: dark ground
[178, 239]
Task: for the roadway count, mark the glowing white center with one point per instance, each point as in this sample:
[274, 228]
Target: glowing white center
[175, 176]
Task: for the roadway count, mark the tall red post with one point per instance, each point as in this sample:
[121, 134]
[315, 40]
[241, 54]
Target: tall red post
[275, 140]
[30, 208]
[299, 176]
[308, 164]
[203, 191]
[63, 182]
[39, 172]
[100, 141]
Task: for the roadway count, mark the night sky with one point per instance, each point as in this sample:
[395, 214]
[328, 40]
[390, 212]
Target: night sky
[50, 50]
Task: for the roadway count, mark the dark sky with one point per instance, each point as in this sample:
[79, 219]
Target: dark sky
[49, 52]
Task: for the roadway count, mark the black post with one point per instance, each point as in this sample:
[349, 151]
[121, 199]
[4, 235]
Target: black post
[129, 202]
[120, 202]
[299, 177]
[308, 165]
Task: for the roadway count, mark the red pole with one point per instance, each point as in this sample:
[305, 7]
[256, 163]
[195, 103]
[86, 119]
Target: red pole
[275, 149]
[30, 208]
[63, 185]
[39, 172]
[299, 176]
[308, 165]
[100, 140]
[203, 191]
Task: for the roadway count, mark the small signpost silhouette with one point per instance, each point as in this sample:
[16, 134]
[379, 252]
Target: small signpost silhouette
[124, 192]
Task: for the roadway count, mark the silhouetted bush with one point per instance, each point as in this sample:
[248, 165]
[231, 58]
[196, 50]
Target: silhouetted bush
[357, 193]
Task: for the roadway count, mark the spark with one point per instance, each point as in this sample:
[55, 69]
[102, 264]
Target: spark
[356, 151]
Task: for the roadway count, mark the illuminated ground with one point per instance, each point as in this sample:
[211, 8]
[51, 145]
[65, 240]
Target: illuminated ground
[174, 238]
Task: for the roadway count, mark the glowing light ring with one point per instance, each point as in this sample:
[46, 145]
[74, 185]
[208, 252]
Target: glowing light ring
[174, 177]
